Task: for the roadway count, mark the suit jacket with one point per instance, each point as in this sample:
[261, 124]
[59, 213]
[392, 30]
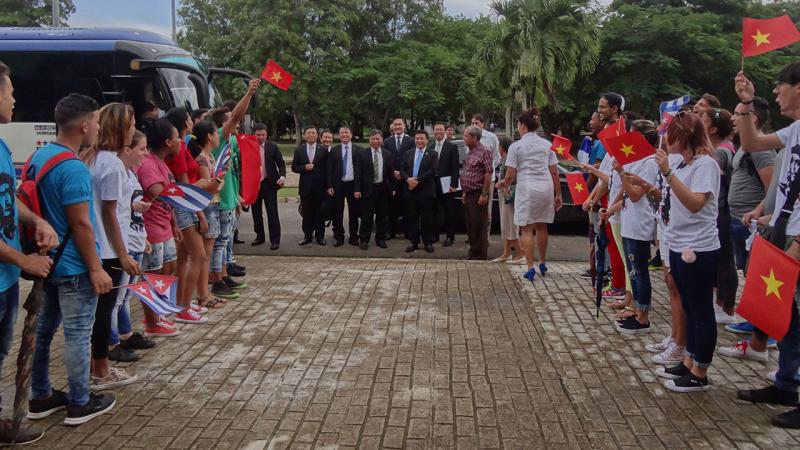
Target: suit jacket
[397, 153]
[448, 163]
[426, 175]
[315, 181]
[274, 165]
[365, 173]
[336, 165]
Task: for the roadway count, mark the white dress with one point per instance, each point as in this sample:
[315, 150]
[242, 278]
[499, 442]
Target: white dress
[532, 157]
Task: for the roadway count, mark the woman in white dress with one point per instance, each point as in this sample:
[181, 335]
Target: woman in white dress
[538, 192]
[508, 231]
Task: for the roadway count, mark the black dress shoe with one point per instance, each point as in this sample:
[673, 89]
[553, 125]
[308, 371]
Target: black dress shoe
[321, 241]
[381, 244]
[238, 241]
[274, 246]
[338, 243]
[429, 248]
[353, 241]
[789, 419]
[257, 242]
[305, 241]
[769, 394]
[363, 246]
[411, 248]
[447, 242]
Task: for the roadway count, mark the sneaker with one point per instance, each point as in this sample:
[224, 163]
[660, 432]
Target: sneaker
[234, 271]
[237, 266]
[687, 383]
[39, 409]
[190, 316]
[789, 419]
[98, 404]
[772, 343]
[659, 347]
[160, 330]
[723, 317]
[633, 327]
[655, 263]
[220, 289]
[198, 309]
[739, 328]
[672, 355]
[772, 375]
[24, 436]
[166, 322]
[613, 293]
[742, 350]
[769, 394]
[120, 354]
[116, 378]
[136, 342]
[233, 284]
[672, 373]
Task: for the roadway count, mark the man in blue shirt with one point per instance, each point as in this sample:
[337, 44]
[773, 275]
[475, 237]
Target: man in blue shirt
[75, 282]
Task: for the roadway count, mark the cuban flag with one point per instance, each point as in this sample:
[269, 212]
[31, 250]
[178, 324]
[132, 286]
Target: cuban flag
[673, 106]
[223, 159]
[165, 286]
[152, 300]
[583, 151]
[185, 196]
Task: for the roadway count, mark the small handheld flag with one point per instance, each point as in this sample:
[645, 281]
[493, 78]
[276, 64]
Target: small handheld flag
[185, 196]
[577, 187]
[150, 299]
[673, 106]
[764, 35]
[276, 75]
[165, 286]
[629, 147]
[561, 146]
[769, 286]
[615, 129]
[222, 160]
[584, 150]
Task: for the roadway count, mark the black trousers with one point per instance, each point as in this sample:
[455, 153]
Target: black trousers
[346, 192]
[420, 220]
[446, 215]
[375, 208]
[268, 195]
[101, 330]
[312, 219]
[397, 211]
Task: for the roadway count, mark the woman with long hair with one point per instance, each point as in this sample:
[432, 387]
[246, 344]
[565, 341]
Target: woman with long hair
[692, 188]
[538, 193]
[508, 231]
[111, 203]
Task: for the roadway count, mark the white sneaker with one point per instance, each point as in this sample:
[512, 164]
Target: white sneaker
[742, 350]
[659, 347]
[115, 378]
[672, 355]
[771, 376]
[723, 317]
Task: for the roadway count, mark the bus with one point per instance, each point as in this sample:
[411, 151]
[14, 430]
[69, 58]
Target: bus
[141, 68]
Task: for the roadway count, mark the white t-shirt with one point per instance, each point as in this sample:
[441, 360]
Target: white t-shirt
[697, 231]
[790, 169]
[108, 181]
[638, 218]
[614, 184]
[136, 232]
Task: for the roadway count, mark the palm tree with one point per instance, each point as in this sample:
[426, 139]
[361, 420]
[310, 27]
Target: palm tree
[539, 47]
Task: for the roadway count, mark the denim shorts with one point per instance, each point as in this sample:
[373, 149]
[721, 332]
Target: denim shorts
[162, 253]
[185, 218]
[212, 217]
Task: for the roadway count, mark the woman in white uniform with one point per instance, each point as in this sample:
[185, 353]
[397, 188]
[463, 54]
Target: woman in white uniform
[538, 192]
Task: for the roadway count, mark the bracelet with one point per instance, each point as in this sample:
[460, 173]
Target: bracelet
[747, 102]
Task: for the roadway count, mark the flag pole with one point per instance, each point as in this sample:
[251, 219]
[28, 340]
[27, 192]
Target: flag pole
[742, 68]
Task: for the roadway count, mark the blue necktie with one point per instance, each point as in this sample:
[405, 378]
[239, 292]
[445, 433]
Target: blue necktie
[417, 160]
[344, 161]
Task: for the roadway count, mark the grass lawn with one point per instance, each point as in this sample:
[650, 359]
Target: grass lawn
[288, 192]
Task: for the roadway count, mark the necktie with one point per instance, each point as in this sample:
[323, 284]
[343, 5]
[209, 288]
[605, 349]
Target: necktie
[397, 142]
[311, 150]
[438, 147]
[344, 161]
[376, 167]
[417, 159]
[263, 163]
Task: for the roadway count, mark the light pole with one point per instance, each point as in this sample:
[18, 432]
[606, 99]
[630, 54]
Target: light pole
[56, 13]
[173, 20]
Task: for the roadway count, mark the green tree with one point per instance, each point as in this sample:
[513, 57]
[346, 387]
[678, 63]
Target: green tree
[32, 13]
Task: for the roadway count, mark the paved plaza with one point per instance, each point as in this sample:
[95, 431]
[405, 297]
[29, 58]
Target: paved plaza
[399, 353]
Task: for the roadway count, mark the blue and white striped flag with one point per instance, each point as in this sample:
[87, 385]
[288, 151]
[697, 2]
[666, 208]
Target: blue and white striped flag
[185, 196]
[584, 150]
[673, 106]
[222, 159]
[152, 300]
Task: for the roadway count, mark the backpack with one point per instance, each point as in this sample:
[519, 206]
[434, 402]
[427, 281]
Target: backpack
[28, 194]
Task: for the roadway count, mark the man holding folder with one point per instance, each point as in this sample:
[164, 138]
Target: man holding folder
[446, 184]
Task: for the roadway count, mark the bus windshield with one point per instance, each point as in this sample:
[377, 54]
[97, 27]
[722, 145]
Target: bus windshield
[181, 88]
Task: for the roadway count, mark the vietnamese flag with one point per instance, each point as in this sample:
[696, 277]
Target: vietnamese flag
[764, 35]
[561, 146]
[577, 188]
[276, 75]
[250, 154]
[629, 147]
[769, 287]
[615, 129]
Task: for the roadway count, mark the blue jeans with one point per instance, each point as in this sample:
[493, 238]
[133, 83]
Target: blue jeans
[695, 283]
[121, 314]
[73, 300]
[229, 257]
[789, 357]
[637, 256]
[739, 235]
[219, 255]
[9, 304]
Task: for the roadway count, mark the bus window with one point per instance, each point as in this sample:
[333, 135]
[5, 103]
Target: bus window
[180, 87]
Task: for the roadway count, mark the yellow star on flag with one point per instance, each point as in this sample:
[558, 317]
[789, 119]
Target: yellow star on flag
[761, 38]
[276, 77]
[627, 149]
[560, 150]
[579, 187]
[773, 284]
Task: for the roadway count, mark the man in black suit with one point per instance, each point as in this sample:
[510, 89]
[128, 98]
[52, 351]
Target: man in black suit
[418, 173]
[273, 177]
[311, 162]
[374, 188]
[448, 167]
[398, 143]
[341, 176]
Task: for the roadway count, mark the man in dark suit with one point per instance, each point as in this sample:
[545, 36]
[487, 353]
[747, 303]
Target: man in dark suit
[310, 161]
[418, 173]
[341, 176]
[374, 188]
[448, 167]
[398, 143]
[273, 177]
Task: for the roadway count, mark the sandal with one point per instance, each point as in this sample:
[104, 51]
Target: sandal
[625, 313]
[618, 304]
[211, 302]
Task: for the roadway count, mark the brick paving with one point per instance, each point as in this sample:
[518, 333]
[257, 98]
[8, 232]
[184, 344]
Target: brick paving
[382, 353]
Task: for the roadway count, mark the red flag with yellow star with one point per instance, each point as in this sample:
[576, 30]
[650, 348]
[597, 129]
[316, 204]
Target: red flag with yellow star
[561, 146]
[764, 35]
[629, 147]
[276, 75]
[769, 288]
[577, 188]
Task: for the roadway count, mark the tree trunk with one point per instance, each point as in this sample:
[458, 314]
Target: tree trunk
[509, 125]
[297, 127]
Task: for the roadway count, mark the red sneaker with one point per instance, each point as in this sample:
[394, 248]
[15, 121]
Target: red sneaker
[189, 316]
[199, 309]
[160, 331]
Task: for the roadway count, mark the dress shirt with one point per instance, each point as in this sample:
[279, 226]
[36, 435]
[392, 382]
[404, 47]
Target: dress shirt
[263, 163]
[311, 150]
[478, 164]
[438, 147]
[347, 162]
